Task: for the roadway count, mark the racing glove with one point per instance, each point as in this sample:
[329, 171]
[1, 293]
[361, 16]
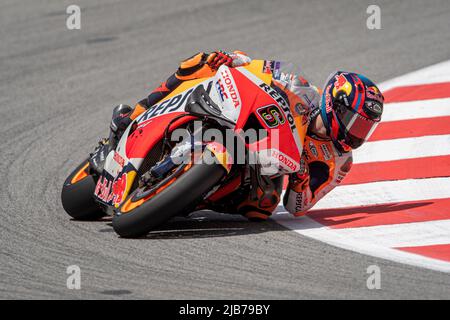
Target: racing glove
[218, 58]
[235, 59]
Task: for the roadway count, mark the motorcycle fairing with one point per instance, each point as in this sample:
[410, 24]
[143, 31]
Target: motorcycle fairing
[122, 164]
[140, 137]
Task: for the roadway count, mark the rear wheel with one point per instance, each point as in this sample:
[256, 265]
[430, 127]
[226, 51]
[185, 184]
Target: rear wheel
[77, 195]
[178, 194]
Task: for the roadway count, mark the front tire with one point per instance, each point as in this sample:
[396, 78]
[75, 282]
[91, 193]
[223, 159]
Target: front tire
[77, 195]
[174, 199]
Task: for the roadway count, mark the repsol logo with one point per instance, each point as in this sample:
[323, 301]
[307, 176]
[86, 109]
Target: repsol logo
[299, 205]
[281, 102]
[176, 103]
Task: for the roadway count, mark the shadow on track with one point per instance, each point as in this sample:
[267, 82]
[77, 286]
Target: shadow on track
[206, 224]
[341, 216]
[210, 224]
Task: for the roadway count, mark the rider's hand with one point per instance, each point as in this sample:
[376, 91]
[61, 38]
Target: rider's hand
[218, 58]
[235, 59]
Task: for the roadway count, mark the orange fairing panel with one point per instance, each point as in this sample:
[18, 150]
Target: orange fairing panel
[81, 174]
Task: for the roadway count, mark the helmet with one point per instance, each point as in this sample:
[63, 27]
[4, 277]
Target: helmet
[351, 107]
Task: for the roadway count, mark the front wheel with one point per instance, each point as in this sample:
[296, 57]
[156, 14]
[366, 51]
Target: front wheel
[137, 216]
[77, 195]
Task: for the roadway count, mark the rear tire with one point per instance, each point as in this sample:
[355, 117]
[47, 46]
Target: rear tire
[77, 197]
[177, 198]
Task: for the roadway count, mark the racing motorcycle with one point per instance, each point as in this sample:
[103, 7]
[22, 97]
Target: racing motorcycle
[144, 183]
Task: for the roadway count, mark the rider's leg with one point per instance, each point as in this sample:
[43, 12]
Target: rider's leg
[121, 119]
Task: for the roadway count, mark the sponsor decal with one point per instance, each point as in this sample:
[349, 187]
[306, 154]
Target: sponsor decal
[230, 87]
[282, 103]
[342, 84]
[328, 103]
[174, 104]
[119, 159]
[271, 115]
[272, 67]
[326, 153]
[143, 124]
[220, 90]
[111, 192]
[299, 202]
[313, 149]
[118, 189]
[285, 161]
[340, 177]
[266, 67]
[276, 70]
[103, 189]
[374, 94]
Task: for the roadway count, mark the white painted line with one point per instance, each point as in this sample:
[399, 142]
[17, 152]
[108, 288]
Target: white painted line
[385, 192]
[436, 73]
[308, 227]
[402, 235]
[405, 148]
[416, 110]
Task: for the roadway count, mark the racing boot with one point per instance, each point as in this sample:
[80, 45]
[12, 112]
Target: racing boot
[120, 121]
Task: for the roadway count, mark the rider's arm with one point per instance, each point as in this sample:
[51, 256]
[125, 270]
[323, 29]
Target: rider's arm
[313, 182]
[315, 178]
[200, 65]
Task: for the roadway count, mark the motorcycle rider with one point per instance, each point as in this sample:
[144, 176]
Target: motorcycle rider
[340, 118]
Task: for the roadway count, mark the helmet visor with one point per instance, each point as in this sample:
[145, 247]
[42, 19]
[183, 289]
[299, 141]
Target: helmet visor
[358, 129]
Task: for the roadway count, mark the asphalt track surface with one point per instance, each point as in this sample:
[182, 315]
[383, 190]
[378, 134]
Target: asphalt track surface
[57, 89]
